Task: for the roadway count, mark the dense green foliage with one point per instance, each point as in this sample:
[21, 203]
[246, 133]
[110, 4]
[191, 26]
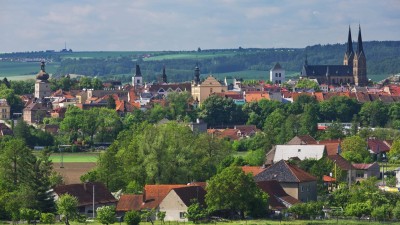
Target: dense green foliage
[132, 218]
[67, 206]
[106, 214]
[235, 191]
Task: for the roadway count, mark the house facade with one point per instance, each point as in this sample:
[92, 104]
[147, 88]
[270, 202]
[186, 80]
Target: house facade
[366, 170]
[5, 110]
[201, 91]
[177, 201]
[295, 181]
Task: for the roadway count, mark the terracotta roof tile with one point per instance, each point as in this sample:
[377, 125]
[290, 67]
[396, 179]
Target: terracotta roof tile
[84, 193]
[377, 146]
[276, 194]
[341, 162]
[252, 169]
[129, 202]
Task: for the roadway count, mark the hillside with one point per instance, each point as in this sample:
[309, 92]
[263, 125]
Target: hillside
[382, 61]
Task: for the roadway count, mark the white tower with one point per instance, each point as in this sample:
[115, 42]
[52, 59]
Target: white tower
[42, 85]
[277, 74]
[137, 79]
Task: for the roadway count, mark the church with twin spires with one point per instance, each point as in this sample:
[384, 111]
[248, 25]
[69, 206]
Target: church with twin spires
[353, 71]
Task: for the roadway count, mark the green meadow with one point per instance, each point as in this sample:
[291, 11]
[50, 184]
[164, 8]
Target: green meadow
[74, 157]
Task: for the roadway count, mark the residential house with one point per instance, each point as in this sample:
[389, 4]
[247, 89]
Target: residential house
[366, 170]
[295, 181]
[5, 110]
[254, 170]
[129, 202]
[302, 140]
[277, 74]
[35, 112]
[177, 201]
[278, 199]
[378, 148]
[342, 169]
[90, 195]
[5, 130]
[198, 127]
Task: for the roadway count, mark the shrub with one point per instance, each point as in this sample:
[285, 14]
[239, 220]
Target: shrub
[47, 218]
[132, 218]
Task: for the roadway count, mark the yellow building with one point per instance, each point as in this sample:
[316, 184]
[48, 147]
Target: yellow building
[201, 91]
[4, 110]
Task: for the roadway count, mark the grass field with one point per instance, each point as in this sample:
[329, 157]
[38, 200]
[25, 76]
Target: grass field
[189, 55]
[262, 222]
[23, 70]
[75, 157]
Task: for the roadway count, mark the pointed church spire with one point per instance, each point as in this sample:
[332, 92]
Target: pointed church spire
[359, 44]
[306, 61]
[197, 74]
[164, 75]
[138, 73]
[349, 43]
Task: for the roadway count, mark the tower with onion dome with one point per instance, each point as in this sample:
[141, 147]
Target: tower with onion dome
[42, 85]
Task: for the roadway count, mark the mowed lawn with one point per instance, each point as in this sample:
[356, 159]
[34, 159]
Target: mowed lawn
[75, 157]
[259, 222]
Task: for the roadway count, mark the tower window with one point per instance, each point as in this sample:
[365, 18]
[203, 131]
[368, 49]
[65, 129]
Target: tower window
[279, 74]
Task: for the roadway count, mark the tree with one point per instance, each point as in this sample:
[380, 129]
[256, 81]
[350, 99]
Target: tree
[161, 216]
[307, 210]
[111, 102]
[273, 125]
[374, 114]
[29, 214]
[394, 153]
[308, 84]
[237, 192]
[178, 104]
[106, 214]
[47, 218]
[358, 209]
[132, 218]
[195, 211]
[355, 149]
[67, 206]
[149, 215]
[396, 210]
[382, 213]
[220, 111]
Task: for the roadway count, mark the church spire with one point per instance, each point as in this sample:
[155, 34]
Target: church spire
[138, 72]
[164, 75]
[359, 44]
[349, 43]
[197, 74]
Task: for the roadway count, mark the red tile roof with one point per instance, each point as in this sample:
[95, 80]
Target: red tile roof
[341, 162]
[84, 193]
[276, 194]
[252, 169]
[377, 146]
[154, 194]
[326, 178]
[129, 202]
[187, 193]
[362, 166]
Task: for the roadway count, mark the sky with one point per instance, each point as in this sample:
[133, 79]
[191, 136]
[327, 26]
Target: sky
[155, 25]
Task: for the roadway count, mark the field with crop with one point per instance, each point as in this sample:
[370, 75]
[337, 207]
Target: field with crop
[23, 70]
[189, 55]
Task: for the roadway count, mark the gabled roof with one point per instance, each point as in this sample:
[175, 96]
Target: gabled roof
[187, 193]
[252, 169]
[255, 96]
[364, 166]
[331, 70]
[154, 194]
[246, 129]
[277, 66]
[84, 193]
[332, 148]
[341, 162]
[278, 198]
[284, 172]
[129, 202]
[377, 146]
[287, 152]
[302, 140]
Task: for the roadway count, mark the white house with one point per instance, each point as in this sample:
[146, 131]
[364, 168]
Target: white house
[177, 201]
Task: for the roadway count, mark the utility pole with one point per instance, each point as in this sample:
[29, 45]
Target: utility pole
[93, 203]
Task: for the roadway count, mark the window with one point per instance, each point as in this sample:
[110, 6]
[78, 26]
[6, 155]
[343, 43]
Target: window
[211, 90]
[280, 81]
[301, 188]
[182, 215]
[276, 74]
[138, 81]
[279, 74]
[360, 174]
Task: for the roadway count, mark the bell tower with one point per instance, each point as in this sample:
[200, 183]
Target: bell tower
[137, 79]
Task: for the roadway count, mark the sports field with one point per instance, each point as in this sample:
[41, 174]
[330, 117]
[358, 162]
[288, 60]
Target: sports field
[75, 157]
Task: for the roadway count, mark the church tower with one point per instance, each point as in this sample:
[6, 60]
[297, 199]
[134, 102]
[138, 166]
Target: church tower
[164, 76]
[197, 75]
[360, 63]
[137, 79]
[349, 55]
[42, 86]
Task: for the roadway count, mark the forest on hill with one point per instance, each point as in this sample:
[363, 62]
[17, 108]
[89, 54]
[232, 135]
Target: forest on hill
[382, 59]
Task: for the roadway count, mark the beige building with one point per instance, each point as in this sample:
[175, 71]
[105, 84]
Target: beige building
[201, 91]
[176, 203]
[5, 110]
[294, 181]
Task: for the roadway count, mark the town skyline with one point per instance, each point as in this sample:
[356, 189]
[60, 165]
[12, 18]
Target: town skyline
[187, 25]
